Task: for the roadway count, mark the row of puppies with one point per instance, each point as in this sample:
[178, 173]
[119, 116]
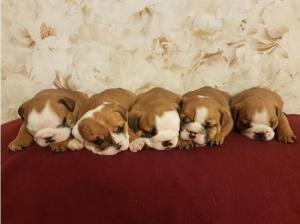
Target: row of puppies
[115, 119]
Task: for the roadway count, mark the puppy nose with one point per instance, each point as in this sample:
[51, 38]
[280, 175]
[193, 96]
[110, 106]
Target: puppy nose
[49, 140]
[192, 135]
[260, 136]
[166, 143]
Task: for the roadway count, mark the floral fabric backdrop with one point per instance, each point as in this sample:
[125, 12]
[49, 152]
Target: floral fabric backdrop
[91, 45]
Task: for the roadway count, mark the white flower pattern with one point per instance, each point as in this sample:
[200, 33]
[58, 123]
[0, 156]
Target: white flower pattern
[92, 45]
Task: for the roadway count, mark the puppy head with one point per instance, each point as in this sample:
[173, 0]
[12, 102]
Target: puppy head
[49, 120]
[201, 119]
[256, 121]
[103, 130]
[160, 130]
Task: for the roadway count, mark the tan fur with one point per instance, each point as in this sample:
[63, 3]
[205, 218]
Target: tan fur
[244, 105]
[154, 102]
[218, 104]
[113, 115]
[60, 100]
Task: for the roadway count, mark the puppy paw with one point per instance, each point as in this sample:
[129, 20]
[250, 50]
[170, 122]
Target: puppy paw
[218, 140]
[137, 145]
[18, 144]
[185, 144]
[75, 144]
[59, 146]
[286, 138]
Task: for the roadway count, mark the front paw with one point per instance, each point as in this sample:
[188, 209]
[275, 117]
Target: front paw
[18, 144]
[137, 145]
[75, 144]
[286, 138]
[185, 144]
[218, 140]
[59, 146]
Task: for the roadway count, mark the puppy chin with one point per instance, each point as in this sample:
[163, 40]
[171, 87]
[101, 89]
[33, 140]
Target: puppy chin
[56, 134]
[200, 139]
[108, 151]
[255, 129]
[156, 142]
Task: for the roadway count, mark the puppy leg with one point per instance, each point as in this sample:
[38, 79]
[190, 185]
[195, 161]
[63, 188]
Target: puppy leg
[23, 139]
[284, 132]
[136, 143]
[185, 144]
[75, 144]
[60, 146]
[226, 127]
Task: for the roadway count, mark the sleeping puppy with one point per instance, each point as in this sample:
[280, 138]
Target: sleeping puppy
[154, 120]
[205, 116]
[48, 119]
[257, 113]
[102, 126]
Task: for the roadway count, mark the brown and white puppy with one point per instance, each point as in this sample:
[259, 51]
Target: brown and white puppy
[205, 116]
[48, 119]
[102, 126]
[257, 113]
[154, 119]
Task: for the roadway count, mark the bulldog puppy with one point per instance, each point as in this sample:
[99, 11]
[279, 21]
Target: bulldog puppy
[48, 119]
[154, 120]
[102, 126]
[257, 113]
[205, 116]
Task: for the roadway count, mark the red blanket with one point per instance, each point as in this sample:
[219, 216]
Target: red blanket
[244, 181]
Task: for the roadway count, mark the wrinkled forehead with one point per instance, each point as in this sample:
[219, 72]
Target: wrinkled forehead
[46, 117]
[108, 116]
[89, 127]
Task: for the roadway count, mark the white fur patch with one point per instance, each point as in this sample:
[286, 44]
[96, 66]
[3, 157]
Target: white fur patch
[137, 145]
[75, 144]
[167, 126]
[45, 125]
[260, 124]
[196, 127]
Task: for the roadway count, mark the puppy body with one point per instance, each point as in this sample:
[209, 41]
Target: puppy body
[258, 115]
[48, 119]
[205, 116]
[154, 120]
[102, 127]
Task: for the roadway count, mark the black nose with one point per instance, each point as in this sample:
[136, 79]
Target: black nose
[49, 140]
[260, 136]
[166, 143]
[192, 135]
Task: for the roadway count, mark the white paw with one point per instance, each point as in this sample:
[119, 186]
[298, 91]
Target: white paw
[75, 144]
[137, 144]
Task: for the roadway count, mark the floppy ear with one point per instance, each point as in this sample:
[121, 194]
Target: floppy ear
[134, 120]
[235, 109]
[21, 112]
[225, 117]
[68, 102]
[121, 110]
[22, 109]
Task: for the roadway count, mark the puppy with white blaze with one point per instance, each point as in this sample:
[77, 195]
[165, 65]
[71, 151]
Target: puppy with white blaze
[205, 117]
[102, 126]
[154, 120]
[48, 119]
[257, 113]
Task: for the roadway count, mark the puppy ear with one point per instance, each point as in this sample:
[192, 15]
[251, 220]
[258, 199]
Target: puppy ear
[235, 109]
[21, 112]
[68, 102]
[22, 109]
[225, 117]
[134, 120]
[121, 110]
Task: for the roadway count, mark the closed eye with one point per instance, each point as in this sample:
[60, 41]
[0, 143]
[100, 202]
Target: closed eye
[209, 125]
[120, 129]
[149, 134]
[63, 123]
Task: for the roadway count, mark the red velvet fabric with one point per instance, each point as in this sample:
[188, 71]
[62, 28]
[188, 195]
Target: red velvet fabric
[244, 181]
